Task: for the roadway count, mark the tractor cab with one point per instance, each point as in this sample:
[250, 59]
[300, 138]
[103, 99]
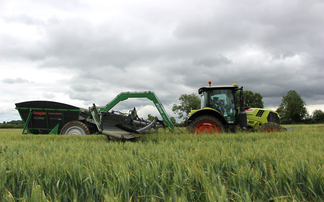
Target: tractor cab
[219, 110]
[220, 98]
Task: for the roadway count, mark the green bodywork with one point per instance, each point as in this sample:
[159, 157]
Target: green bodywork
[258, 116]
[229, 119]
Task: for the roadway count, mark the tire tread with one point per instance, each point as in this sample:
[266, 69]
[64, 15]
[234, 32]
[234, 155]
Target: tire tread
[74, 123]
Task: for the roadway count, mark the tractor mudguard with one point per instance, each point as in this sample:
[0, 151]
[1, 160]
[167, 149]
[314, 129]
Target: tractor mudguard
[206, 111]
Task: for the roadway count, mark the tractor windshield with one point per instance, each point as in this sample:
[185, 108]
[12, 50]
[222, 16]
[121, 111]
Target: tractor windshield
[222, 100]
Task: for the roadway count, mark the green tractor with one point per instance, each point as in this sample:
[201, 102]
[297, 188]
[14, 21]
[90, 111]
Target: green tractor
[220, 112]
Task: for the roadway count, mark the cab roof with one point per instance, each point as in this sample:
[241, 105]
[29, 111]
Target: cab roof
[207, 88]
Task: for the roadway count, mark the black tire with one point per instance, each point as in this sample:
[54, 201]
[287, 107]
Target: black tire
[270, 127]
[75, 128]
[205, 124]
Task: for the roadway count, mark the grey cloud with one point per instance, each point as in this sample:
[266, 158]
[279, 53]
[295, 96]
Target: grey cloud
[77, 44]
[24, 19]
[13, 81]
[84, 88]
[212, 61]
[81, 96]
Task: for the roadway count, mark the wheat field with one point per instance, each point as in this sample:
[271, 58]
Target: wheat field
[164, 167]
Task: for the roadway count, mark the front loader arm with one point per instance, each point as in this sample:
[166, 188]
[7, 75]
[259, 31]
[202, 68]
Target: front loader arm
[147, 94]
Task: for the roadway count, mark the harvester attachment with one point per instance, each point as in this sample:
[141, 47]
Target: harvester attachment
[107, 125]
[122, 126]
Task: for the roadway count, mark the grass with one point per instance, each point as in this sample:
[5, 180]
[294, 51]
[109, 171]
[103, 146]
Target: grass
[164, 167]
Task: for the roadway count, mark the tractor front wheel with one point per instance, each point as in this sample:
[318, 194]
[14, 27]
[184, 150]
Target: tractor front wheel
[75, 128]
[205, 124]
[270, 127]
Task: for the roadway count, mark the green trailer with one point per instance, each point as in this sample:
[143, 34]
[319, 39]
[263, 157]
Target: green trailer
[47, 117]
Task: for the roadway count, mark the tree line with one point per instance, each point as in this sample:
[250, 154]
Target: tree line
[292, 109]
[12, 124]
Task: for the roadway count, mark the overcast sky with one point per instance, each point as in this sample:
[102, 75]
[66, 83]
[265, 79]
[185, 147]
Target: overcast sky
[81, 52]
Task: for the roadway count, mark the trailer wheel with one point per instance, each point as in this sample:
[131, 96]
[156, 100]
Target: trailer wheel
[270, 127]
[205, 124]
[75, 128]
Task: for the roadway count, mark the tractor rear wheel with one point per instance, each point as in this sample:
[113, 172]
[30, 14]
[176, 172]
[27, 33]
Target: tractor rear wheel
[270, 127]
[205, 124]
[75, 128]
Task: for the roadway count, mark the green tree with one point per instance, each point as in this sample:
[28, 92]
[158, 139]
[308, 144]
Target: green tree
[292, 108]
[251, 99]
[318, 116]
[151, 118]
[187, 103]
[173, 120]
